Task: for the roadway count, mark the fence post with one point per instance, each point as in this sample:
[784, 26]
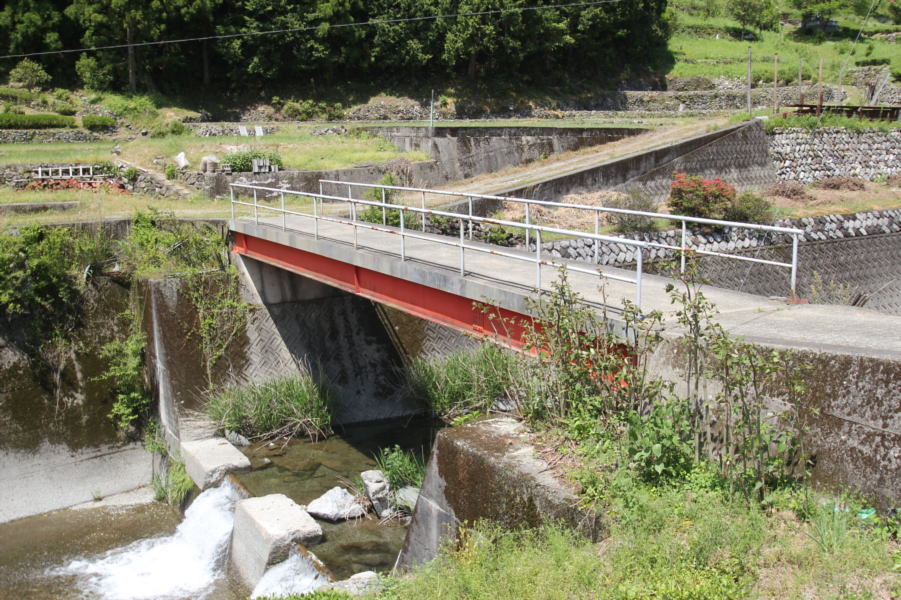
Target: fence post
[231, 193]
[639, 268]
[384, 209]
[462, 249]
[423, 212]
[470, 219]
[527, 223]
[256, 214]
[684, 247]
[794, 275]
[316, 215]
[538, 259]
[353, 220]
[597, 231]
[403, 237]
[284, 216]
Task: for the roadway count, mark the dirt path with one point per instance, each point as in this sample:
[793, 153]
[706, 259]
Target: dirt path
[569, 162]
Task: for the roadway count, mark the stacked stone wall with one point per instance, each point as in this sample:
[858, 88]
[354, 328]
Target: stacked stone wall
[806, 156]
[29, 136]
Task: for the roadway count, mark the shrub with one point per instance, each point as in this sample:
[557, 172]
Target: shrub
[692, 196]
[29, 74]
[17, 95]
[63, 108]
[302, 110]
[131, 175]
[95, 123]
[171, 171]
[285, 406]
[243, 161]
[845, 184]
[169, 128]
[93, 76]
[401, 468]
[17, 121]
[789, 189]
[751, 208]
[635, 200]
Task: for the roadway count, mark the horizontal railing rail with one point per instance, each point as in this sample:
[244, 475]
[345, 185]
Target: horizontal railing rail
[684, 248]
[319, 215]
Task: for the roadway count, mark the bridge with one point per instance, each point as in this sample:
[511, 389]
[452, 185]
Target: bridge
[374, 241]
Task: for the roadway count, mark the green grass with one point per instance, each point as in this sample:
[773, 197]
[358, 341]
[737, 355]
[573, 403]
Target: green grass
[400, 467]
[829, 120]
[55, 153]
[178, 483]
[284, 406]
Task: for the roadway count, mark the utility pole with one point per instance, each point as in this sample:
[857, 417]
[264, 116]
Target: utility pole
[775, 84]
[750, 111]
[801, 80]
[820, 93]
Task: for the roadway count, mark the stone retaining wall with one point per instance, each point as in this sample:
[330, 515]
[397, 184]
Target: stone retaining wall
[28, 136]
[859, 250]
[808, 155]
[226, 130]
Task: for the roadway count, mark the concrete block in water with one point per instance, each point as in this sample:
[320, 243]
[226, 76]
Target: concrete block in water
[379, 491]
[265, 530]
[208, 461]
[337, 504]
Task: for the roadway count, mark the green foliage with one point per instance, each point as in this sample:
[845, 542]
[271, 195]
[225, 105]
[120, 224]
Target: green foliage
[178, 484]
[320, 595]
[17, 95]
[29, 74]
[308, 110]
[95, 123]
[125, 364]
[171, 171]
[760, 14]
[63, 108]
[751, 208]
[658, 443]
[158, 243]
[169, 128]
[154, 440]
[221, 314]
[400, 467]
[379, 214]
[94, 76]
[286, 406]
[243, 161]
[40, 121]
[828, 120]
[467, 381]
[131, 175]
[490, 564]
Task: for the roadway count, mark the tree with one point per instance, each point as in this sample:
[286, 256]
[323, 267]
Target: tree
[29, 74]
[93, 75]
[760, 14]
[824, 8]
[32, 26]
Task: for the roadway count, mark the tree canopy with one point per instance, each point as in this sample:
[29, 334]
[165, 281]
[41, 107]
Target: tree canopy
[598, 43]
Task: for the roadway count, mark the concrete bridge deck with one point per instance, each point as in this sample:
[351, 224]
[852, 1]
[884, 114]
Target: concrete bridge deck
[508, 283]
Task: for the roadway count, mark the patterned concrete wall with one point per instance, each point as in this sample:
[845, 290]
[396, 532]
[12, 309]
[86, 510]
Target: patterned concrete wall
[806, 156]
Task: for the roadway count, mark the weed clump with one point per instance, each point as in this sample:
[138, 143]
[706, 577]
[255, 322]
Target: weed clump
[243, 161]
[791, 190]
[281, 407]
[401, 468]
[841, 183]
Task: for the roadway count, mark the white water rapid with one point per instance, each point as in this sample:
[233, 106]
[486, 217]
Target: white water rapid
[185, 564]
[294, 575]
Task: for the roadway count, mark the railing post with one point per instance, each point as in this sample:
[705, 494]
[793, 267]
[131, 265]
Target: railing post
[462, 249]
[527, 223]
[684, 248]
[353, 220]
[639, 268]
[231, 193]
[538, 259]
[256, 214]
[316, 216]
[403, 236]
[423, 212]
[794, 275]
[470, 217]
[384, 209]
[597, 231]
[284, 215]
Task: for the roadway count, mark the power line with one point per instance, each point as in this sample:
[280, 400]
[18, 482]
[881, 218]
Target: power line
[328, 26]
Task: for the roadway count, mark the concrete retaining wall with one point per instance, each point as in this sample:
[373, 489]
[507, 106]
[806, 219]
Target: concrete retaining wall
[487, 470]
[737, 154]
[809, 155]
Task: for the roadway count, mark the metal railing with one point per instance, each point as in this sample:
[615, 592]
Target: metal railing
[320, 215]
[684, 248]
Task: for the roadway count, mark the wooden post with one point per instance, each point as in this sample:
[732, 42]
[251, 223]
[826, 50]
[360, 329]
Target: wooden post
[801, 80]
[820, 93]
[775, 84]
[750, 110]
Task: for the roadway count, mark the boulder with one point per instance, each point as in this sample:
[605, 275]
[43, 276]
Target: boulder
[236, 438]
[337, 504]
[181, 161]
[406, 497]
[357, 585]
[379, 492]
